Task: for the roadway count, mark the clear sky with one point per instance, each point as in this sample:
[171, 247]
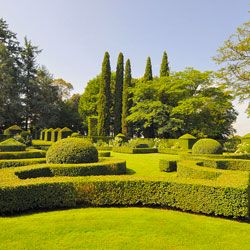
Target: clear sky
[74, 34]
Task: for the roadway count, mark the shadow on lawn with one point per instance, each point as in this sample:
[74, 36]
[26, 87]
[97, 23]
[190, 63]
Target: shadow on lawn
[130, 171]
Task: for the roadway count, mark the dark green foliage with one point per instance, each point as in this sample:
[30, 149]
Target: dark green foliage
[13, 130]
[129, 150]
[148, 75]
[22, 155]
[207, 146]
[7, 163]
[42, 195]
[48, 134]
[118, 96]
[64, 133]
[189, 170]
[228, 164]
[54, 134]
[104, 100]
[72, 150]
[164, 71]
[104, 167]
[11, 145]
[92, 126]
[167, 166]
[142, 145]
[104, 153]
[125, 98]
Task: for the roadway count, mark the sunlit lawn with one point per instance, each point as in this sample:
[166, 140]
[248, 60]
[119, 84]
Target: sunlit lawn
[121, 228]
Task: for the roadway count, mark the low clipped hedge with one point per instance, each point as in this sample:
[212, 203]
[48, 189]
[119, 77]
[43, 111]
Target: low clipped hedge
[172, 151]
[228, 164]
[11, 145]
[104, 153]
[207, 146]
[23, 154]
[129, 150]
[223, 197]
[104, 148]
[191, 170]
[8, 163]
[167, 166]
[104, 167]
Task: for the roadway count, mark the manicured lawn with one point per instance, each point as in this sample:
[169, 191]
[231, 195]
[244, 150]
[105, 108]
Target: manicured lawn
[121, 228]
[144, 164]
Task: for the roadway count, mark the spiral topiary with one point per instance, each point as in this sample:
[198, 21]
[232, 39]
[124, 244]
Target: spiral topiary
[207, 146]
[72, 150]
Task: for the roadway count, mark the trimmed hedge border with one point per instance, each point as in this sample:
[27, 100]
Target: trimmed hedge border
[104, 153]
[20, 162]
[103, 167]
[22, 154]
[200, 196]
[228, 164]
[167, 166]
[128, 150]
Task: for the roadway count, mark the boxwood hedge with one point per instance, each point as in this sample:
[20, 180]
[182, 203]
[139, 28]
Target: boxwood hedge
[129, 150]
[228, 195]
[23, 154]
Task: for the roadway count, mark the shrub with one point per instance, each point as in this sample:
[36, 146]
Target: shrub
[64, 133]
[207, 146]
[48, 134]
[104, 153]
[92, 126]
[186, 137]
[72, 150]
[7, 163]
[104, 167]
[76, 134]
[228, 164]
[11, 145]
[13, 130]
[129, 150]
[23, 154]
[231, 144]
[167, 166]
[54, 134]
[243, 148]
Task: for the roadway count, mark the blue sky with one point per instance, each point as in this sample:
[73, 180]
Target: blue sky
[75, 34]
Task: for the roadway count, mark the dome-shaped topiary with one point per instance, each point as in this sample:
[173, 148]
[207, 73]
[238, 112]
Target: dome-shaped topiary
[12, 145]
[207, 146]
[186, 137]
[72, 150]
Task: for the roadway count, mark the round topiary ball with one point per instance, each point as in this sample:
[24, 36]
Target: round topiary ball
[207, 146]
[72, 150]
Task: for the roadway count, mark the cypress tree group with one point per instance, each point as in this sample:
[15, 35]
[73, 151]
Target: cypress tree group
[164, 71]
[104, 98]
[148, 76]
[118, 95]
[125, 97]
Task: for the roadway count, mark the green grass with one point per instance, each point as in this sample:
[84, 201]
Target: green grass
[144, 164]
[121, 228]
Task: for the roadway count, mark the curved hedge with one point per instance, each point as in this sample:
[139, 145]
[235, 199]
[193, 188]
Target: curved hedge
[228, 196]
[23, 154]
[10, 163]
[104, 153]
[103, 167]
[207, 146]
[72, 150]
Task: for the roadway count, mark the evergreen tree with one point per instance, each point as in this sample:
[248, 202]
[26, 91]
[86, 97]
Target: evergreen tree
[164, 71]
[10, 102]
[148, 76]
[118, 95]
[104, 98]
[30, 86]
[125, 97]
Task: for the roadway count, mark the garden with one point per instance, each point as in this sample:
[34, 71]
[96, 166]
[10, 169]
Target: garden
[130, 163]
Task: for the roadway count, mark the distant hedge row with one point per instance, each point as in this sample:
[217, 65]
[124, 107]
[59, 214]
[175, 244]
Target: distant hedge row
[227, 196]
[8, 163]
[129, 150]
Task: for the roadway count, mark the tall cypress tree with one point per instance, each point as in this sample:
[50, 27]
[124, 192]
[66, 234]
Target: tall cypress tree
[104, 98]
[164, 71]
[125, 97]
[118, 95]
[148, 76]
